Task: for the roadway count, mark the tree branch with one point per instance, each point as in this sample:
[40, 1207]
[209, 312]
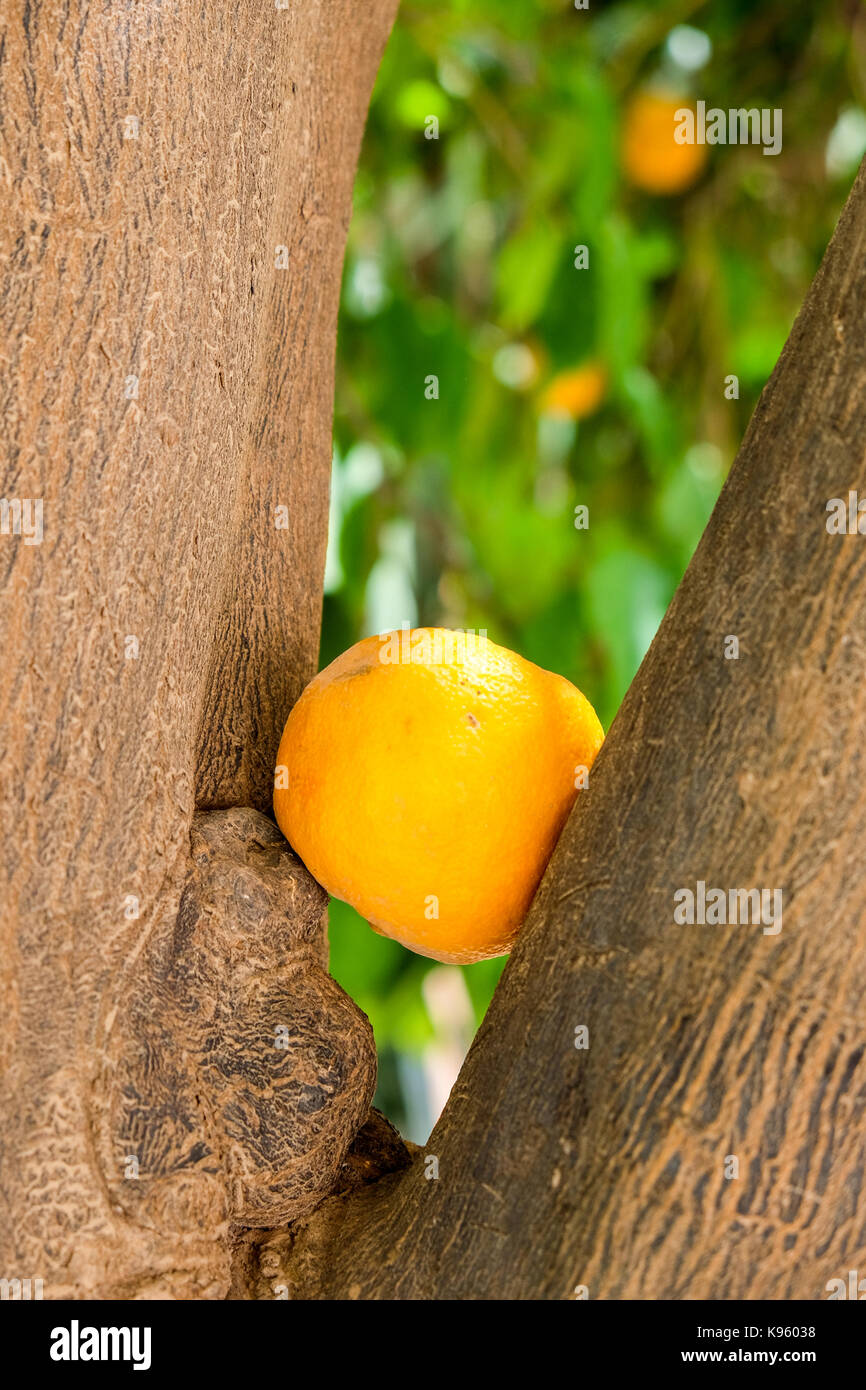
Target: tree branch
[177, 189]
[611, 1167]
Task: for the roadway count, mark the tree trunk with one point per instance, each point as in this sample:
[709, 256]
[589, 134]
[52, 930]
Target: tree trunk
[178, 184]
[709, 1141]
[182, 1085]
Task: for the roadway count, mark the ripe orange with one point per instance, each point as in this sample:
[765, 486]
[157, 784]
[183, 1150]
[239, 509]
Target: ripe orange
[651, 157]
[424, 777]
[576, 392]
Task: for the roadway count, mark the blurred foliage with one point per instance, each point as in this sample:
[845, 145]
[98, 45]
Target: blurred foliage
[459, 510]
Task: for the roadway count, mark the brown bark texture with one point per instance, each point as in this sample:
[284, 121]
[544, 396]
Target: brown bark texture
[175, 1062]
[608, 1170]
[185, 1093]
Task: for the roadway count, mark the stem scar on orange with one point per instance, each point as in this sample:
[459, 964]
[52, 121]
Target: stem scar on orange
[425, 776]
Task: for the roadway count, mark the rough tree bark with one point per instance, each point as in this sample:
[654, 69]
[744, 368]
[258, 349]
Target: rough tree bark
[167, 386]
[609, 1168]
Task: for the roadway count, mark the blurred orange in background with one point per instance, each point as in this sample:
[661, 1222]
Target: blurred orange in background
[577, 392]
[651, 158]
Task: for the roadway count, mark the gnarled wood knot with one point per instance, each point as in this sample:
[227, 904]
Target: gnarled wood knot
[238, 1072]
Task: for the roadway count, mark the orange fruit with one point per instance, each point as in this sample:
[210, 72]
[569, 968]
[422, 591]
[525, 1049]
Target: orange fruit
[424, 777]
[651, 157]
[577, 392]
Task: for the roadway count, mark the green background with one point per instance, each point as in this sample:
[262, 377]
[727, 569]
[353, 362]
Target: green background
[459, 511]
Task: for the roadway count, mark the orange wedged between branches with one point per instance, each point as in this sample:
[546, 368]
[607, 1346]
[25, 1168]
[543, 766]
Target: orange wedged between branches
[424, 777]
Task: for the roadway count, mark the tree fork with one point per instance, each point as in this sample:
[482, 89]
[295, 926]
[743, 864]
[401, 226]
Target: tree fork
[608, 1169]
